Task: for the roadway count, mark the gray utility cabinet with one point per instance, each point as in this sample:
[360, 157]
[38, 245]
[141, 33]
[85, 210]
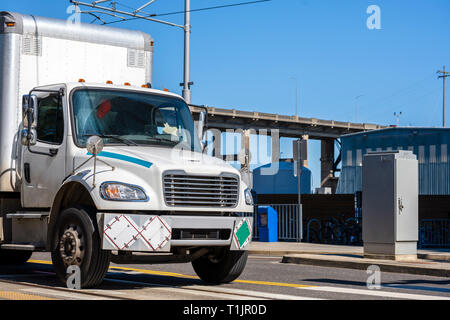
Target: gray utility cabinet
[390, 201]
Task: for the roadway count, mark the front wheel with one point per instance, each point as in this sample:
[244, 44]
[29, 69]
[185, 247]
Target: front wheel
[77, 242]
[220, 267]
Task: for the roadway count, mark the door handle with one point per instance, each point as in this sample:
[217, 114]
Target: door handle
[26, 172]
[53, 152]
[400, 206]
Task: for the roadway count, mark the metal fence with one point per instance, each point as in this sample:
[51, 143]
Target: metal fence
[434, 233]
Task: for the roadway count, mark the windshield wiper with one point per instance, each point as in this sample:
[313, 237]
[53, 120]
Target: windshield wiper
[164, 140]
[112, 136]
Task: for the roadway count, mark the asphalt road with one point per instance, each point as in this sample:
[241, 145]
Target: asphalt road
[263, 278]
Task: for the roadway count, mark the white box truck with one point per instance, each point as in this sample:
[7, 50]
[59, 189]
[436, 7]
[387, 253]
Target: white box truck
[96, 166]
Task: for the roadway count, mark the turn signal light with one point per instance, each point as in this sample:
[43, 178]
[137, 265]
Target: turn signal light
[10, 24]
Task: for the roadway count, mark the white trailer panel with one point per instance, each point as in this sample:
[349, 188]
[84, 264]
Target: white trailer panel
[37, 51]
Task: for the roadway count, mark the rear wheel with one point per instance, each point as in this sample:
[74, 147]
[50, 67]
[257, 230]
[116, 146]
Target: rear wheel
[222, 266]
[10, 257]
[77, 242]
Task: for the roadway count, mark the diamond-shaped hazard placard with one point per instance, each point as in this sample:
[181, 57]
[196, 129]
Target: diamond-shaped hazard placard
[121, 232]
[156, 233]
[242, 233]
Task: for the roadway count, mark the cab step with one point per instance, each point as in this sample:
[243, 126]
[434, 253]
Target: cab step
[27, 215]
[12, 246]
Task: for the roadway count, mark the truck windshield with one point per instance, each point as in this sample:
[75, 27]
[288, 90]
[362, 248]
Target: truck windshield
[133, 118]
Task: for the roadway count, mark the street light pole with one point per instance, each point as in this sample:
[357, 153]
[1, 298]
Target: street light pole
[296, 95]
[356, 99]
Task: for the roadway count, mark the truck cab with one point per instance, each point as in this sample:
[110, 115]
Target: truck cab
[100, 172]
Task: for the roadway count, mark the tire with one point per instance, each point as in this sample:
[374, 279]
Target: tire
[11, 257]
[76, 241]
[222, 267]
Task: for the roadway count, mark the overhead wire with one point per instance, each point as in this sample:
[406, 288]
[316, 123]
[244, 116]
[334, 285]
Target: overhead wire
[149, 15]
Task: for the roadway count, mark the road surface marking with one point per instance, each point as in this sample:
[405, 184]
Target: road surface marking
[11, 295]
[375, 292]
[184, 290]
[267, 295]
[179, 275]
[172, 274]
[69, 295]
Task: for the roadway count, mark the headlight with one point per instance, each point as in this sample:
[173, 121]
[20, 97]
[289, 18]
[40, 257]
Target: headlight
[122, 192]
[248, 197]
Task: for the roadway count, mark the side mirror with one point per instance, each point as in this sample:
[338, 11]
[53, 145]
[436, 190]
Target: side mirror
[202, 125]
[28, 134]
[28, 137]
[94, 145]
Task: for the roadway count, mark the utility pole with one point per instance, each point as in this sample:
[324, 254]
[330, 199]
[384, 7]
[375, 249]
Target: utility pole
[444, 74]
[397, 115]
[134, 15]
[187, 57]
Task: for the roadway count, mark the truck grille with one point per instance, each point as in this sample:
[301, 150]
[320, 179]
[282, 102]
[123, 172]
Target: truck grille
[181, 189]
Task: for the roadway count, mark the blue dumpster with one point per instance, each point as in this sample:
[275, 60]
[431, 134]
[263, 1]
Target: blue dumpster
[267, 224]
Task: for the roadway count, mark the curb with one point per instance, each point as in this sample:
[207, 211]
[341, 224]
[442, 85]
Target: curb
[363, 265]
[278, 253]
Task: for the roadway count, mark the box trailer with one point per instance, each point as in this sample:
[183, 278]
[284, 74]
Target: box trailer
[97, 166]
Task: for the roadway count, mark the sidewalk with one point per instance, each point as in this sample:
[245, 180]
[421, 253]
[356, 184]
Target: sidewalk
[430, 262]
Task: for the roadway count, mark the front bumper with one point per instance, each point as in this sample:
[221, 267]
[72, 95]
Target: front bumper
[154, 233]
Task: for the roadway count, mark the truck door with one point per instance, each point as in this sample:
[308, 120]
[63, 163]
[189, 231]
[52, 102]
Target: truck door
[43, 166]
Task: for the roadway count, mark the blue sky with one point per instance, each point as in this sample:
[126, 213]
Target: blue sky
[243, 57]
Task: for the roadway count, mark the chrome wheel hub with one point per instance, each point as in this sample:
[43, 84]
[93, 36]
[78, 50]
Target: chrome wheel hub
[71, 246]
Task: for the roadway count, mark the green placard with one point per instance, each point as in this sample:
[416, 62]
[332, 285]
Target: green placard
[243, 233]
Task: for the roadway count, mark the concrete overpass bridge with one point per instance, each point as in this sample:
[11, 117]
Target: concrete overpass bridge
[222, 120]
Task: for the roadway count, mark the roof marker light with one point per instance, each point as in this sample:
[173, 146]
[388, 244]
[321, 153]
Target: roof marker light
[127, 84]
[166, 90]
[144, 86]
[81, 80]
[109, 82]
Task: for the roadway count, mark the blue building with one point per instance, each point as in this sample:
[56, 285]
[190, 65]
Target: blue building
[283, 182]
[430, 145]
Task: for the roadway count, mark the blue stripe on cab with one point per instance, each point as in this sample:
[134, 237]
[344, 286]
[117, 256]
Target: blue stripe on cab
[123, 158]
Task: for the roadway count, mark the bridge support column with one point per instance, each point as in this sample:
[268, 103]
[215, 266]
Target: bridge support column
[327, 177]
[217, 143]
[305, 138]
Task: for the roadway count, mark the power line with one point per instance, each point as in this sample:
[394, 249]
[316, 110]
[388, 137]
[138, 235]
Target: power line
[211, 8]
[403, 90]
[184, 11]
